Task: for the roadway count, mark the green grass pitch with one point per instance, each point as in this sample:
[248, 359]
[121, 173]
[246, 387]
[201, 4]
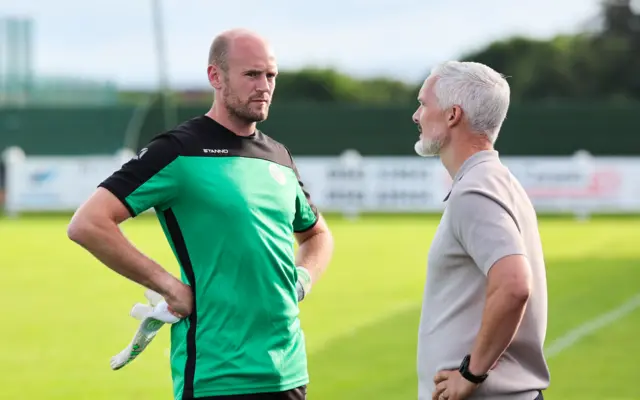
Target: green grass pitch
[64, 314]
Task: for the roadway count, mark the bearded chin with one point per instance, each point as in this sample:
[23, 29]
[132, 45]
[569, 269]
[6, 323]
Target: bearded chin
[427, 149]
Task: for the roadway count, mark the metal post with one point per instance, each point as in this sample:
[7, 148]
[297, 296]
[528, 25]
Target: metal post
[4, 39]
[162, 63]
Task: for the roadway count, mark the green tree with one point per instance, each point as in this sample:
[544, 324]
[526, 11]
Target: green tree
[329, 85]
[603, 63]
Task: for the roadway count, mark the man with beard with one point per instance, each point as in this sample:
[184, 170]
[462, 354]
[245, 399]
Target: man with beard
[484, 313]
[230, 201]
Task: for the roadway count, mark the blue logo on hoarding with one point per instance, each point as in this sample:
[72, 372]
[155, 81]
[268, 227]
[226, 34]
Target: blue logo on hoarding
[42, 176]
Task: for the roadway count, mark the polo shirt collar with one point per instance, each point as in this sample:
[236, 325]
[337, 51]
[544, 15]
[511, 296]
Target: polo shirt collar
[477, 158]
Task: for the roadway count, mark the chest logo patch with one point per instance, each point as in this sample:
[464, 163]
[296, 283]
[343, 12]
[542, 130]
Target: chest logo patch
[277, 174]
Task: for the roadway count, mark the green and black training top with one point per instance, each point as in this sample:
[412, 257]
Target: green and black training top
[229, 206]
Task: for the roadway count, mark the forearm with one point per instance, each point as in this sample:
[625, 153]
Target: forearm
[315, 253]
[501, 318]
[105, 241]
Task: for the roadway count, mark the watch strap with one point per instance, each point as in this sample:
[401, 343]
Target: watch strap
[466, 374]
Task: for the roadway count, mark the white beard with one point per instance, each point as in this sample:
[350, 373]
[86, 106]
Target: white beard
[429, 147]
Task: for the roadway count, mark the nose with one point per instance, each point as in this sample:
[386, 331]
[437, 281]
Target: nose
[416, 117]
[262, 85]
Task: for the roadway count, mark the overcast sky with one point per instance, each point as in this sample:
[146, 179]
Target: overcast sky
[114, 39]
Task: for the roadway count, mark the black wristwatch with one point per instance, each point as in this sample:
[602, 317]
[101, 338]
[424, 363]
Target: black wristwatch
[464, 371]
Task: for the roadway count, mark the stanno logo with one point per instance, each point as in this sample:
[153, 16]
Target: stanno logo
[216, 151]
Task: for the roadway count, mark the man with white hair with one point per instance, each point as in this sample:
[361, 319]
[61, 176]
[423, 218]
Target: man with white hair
[484, 315]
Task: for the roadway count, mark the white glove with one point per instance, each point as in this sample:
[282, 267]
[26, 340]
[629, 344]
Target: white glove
[153, 316]
[303, 285]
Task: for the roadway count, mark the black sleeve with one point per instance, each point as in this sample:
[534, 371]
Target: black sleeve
[150, 179]
[306, 211]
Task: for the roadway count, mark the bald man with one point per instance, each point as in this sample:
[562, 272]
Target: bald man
[230, 201]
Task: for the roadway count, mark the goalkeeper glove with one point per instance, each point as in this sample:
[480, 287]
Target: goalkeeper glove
[303, 285]
[153, 316]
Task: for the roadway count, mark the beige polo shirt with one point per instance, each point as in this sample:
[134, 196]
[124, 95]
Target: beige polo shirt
[487, 216]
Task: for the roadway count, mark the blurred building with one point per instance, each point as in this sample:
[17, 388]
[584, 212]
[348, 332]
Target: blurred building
[21, 86]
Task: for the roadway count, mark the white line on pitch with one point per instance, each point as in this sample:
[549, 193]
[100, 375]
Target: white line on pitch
[575, 335]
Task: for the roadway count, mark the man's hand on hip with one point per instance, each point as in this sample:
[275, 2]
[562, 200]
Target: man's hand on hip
[450, 385]
[179, 298]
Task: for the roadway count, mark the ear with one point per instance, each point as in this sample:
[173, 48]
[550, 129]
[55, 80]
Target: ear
[215, 76]
[454, 116]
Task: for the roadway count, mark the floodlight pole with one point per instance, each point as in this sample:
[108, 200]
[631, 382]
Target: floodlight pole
[162, 64]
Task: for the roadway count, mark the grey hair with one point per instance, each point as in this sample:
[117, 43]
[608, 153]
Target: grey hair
[482, 93]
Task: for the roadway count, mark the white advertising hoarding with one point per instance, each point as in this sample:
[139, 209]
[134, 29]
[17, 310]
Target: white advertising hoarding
[580, 185]
[411, 184]
[55, 183]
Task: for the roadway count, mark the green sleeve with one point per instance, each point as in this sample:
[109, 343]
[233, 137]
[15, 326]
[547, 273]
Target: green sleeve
[306, 213]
